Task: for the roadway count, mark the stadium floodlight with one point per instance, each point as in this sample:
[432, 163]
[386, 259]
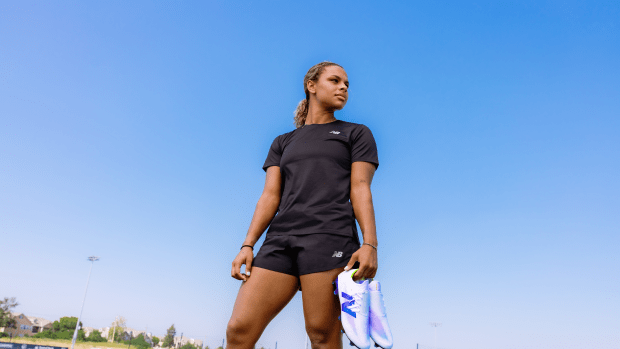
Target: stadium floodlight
[92, 260]
[434, 324]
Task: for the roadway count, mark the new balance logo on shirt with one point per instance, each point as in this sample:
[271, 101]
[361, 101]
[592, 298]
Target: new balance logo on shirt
[337, 254]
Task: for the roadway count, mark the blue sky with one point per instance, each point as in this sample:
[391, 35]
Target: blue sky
[137, 131]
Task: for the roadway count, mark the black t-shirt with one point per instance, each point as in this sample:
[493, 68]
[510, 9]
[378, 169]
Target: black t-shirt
[315, 165]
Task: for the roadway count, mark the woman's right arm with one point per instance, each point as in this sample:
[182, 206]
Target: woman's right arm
[266, 209]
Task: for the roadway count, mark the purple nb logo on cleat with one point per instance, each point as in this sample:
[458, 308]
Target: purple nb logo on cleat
[346, 305]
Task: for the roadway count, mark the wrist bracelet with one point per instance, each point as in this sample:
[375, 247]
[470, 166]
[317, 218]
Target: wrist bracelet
[250, 246]
[373, 246]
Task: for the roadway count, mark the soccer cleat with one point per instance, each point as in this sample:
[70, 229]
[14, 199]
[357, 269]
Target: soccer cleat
[354, 308]
[379, 329]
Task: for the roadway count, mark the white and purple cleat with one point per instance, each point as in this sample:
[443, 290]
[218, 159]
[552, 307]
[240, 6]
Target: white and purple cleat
[354, 308]
[379, 329]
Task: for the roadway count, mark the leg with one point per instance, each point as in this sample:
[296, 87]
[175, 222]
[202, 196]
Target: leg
[321, 309]
[259, 300]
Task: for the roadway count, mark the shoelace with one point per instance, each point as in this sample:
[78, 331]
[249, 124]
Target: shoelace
[358, 298]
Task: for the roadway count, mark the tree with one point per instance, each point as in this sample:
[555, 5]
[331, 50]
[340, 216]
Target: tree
[115, 334]
[139, 342]
[95, 336]
[63, 329]
[155, 341]
[6, 320]
[66, 323]
[81, 335]
[169, 339]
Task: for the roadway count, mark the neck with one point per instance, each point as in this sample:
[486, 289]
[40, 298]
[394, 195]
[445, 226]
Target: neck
[318, 115]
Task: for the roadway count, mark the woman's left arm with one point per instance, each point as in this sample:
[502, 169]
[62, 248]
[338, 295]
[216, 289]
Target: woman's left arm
[361, 199]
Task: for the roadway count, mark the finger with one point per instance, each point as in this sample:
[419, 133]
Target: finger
[248, 266]
[241, 275]
[370, 272]
[233, 273]
[361, 273]
[367, 270]
[351, 262]
[237, 271]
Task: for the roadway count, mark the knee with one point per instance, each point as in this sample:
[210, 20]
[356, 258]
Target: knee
[237, 332]
[320, 334]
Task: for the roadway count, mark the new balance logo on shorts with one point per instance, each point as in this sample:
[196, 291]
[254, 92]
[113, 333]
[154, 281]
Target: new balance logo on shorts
[337, 254]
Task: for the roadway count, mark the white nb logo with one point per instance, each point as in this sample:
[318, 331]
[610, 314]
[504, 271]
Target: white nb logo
[337, 254]
[335, 132]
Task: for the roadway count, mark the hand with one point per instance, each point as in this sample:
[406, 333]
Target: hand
[245, 256]
[367, 257]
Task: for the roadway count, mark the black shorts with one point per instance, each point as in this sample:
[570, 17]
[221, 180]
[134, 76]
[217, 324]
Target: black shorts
[305, 254]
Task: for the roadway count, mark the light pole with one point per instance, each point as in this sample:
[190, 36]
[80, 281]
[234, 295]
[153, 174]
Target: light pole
[435, 324]
[92, 260]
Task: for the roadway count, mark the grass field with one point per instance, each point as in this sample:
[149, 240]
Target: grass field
[66, 343]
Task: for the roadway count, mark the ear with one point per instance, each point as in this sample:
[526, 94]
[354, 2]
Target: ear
[311, 87]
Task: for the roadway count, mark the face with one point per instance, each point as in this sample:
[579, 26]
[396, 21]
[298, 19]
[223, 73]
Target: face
[332, 88]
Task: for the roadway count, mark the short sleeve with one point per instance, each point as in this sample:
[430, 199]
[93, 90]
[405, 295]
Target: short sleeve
[274, 155]
[363, 146]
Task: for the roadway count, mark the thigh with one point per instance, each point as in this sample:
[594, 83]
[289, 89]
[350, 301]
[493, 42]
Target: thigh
[260, 299]
[321, 305]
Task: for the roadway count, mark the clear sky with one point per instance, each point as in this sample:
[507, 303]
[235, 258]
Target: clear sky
[136, 131]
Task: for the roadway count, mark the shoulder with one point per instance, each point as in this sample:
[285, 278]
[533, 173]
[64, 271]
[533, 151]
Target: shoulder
[352, 125]
[355, 129]
[282, 140]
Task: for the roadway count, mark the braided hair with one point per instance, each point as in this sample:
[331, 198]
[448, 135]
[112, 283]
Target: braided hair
[301, 112]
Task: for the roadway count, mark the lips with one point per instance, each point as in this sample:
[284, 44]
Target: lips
[341, 96]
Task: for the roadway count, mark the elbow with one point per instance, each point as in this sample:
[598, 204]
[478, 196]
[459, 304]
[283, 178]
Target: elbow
[360, 193]
[270, 199]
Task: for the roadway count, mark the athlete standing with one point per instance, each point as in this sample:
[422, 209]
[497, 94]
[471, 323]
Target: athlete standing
[318, 182]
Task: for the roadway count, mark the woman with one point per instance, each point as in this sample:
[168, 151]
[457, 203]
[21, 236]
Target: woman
[312, 173]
